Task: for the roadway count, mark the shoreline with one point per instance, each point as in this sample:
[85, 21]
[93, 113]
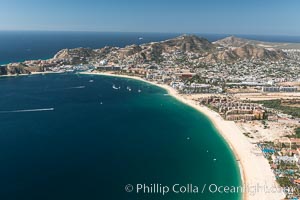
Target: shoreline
[254, 169]
[32, 73]
[256, 174]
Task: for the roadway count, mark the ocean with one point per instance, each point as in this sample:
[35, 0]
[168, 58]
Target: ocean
[68, 136]
[74, 137]
[17, 46]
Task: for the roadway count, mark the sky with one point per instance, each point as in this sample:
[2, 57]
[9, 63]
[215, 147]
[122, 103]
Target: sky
[259, 17]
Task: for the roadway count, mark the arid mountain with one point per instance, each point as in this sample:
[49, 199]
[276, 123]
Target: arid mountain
[233, 48]
[155, 50]
[228, 49]
[77, 52]
[252, 51]
[245, 51]
[188, 43]
[18, 68]
[198, 49]
[232, 41]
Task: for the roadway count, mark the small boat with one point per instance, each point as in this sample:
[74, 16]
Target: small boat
[128, 88]
[91, 81]
[139, 91]
[116, 88]
[140, 38]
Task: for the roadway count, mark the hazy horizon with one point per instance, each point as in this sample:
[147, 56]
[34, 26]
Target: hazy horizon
[154, 32]
[157, 16]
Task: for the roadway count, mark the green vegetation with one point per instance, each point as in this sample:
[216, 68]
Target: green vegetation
[202, 65]
[276, 104]
[297, 132]
[296, 135]
[197, 79]
[181, 60]
[248, 135]
[212, 108]
[284, 182]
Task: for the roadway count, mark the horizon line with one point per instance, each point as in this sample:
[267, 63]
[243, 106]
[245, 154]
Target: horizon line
[154, 32]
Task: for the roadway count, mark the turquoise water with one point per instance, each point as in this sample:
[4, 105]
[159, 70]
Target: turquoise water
[88, 141]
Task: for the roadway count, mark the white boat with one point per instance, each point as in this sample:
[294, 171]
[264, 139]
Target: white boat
[91, 81]
[139, 91]
[116, 88]
[128, 88]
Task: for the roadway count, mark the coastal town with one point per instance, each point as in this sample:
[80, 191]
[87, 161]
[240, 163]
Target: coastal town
[256, 88]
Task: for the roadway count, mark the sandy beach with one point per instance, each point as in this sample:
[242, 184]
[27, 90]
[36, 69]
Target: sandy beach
[258, 180]
[32, 73]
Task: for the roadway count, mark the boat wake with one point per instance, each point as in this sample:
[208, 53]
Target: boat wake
[79, 87]
[29, 110]
[68, 88]
[116, 88]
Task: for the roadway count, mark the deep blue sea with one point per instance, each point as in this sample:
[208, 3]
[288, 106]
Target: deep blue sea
[74, 137]
[18, 46]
